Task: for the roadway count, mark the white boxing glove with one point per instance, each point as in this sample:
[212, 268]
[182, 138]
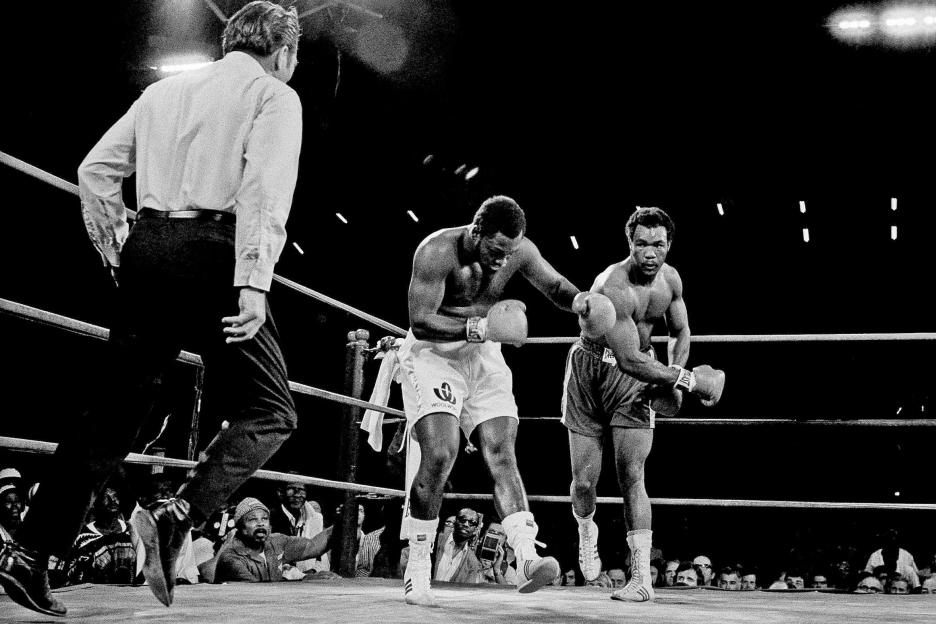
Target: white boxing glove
[506, 321]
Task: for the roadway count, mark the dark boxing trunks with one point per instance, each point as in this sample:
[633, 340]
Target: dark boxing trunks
[596, 394]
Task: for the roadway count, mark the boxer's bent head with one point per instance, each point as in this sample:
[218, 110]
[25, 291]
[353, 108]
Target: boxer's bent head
[499, 214]
[650, 218]
[261, 28]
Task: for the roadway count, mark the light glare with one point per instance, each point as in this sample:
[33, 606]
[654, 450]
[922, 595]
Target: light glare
[174, 65]
[341, 218]
[412, 216]
[574, 242]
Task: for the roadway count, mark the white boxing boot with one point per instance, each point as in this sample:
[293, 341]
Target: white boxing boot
[533, 571]
[416, 589]
[589, 561]
[638, 589]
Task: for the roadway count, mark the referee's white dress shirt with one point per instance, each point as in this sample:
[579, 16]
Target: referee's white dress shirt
[225, 137]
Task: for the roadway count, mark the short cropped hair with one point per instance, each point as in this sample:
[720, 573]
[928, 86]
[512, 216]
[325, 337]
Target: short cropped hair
[261, 27]
[650, 218]
[500, 214]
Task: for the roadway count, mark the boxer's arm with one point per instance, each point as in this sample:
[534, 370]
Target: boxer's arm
[431, 266]
[547, 279]
[677, 324]
[624, 342]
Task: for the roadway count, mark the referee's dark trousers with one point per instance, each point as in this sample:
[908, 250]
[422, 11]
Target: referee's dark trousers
[176, 279]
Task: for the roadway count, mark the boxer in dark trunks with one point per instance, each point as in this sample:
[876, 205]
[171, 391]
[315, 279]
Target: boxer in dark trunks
[614, 382]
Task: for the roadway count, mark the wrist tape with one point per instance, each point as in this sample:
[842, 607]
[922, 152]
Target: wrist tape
[476, 329]
[686, 379]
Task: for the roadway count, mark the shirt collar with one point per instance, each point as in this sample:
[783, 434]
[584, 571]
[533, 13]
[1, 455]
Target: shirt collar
[303, 515]
[244, 61]
[455, 548]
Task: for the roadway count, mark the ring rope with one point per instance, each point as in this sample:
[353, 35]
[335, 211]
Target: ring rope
[47, 448]
[735, 338]
[715, 502]
[341, 306]
[270, 475]
[58, 182]
[858, 422]
[87, 329]
[36, 172]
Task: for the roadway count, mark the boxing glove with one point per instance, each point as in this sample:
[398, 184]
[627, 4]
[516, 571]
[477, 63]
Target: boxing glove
[665, 400]
[596, 313]
[703, 381]
[506, 321]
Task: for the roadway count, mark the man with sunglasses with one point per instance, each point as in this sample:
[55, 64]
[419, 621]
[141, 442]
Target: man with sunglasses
[455, 559]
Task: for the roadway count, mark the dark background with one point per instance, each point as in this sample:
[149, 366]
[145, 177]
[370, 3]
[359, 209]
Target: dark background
[580, 113]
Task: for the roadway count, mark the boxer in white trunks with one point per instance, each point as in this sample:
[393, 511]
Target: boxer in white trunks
[455, 376]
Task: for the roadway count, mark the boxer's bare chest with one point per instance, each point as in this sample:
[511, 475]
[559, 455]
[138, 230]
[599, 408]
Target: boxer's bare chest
[468, 285]
[650, 304]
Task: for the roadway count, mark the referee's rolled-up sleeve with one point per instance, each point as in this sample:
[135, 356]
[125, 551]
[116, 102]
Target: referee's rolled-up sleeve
[271, 164]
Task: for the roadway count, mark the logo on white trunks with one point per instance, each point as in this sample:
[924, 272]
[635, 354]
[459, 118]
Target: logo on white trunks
[445, 393]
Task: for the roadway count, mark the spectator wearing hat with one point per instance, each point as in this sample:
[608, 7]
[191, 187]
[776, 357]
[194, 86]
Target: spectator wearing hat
[11, 506]
[255, 554]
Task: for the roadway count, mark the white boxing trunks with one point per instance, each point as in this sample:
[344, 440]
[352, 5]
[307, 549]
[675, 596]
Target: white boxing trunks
[469, 380]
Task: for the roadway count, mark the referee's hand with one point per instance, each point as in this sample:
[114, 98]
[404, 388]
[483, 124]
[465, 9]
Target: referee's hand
[244, 326]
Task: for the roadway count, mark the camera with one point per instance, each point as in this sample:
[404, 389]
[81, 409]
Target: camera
[493, 539]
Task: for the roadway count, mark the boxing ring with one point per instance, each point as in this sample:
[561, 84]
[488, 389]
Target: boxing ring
[355, 600]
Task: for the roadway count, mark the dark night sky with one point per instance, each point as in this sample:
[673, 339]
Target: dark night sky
[580, 112]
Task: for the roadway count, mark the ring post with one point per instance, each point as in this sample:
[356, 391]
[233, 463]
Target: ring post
[348, 454]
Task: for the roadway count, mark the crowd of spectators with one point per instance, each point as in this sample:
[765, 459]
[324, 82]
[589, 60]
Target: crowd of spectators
[286, 536]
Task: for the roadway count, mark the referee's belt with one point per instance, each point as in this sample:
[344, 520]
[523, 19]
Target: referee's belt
[202, 215]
